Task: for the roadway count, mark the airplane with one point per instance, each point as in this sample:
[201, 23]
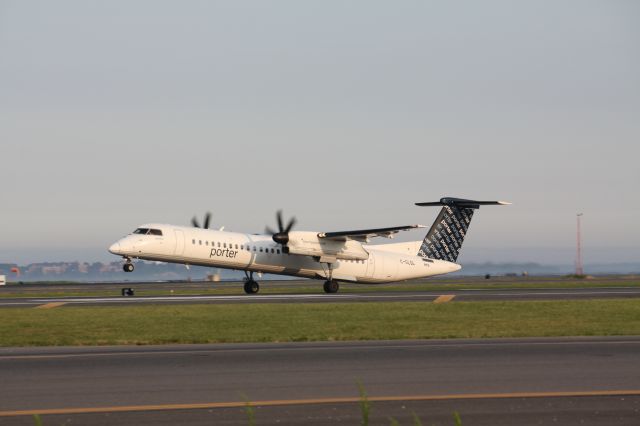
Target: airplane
[343, 256]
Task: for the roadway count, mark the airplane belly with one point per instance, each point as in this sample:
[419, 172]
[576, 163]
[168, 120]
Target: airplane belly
[299, 266]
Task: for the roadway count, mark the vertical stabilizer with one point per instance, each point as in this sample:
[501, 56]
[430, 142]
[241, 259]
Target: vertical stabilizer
[444, 239]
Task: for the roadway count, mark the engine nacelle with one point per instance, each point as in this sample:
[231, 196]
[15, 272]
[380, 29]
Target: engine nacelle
[309, 244]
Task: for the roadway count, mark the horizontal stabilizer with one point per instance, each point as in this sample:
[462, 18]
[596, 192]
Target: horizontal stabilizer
[462, 203]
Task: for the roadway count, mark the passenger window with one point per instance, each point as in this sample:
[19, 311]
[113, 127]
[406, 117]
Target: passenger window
[241, 247]
[236, 247]
[278, 251]
[200, 241]
[254, 248]
[193, 241]
[260, 249]
[224, 245]
[272, 251]
[218, 243]
[206, 243]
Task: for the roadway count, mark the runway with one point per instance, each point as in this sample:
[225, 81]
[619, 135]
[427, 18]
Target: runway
[364, 296]
[592, 381]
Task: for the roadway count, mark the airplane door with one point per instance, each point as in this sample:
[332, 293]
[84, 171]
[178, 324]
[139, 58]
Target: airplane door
[179, 248]
[371, 265]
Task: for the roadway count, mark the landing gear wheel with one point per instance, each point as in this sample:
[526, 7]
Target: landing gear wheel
[251, 287]
[128, 267]
[331, 286]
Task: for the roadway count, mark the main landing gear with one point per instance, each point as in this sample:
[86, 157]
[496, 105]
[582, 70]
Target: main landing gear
[128, 266]
[250, 286]
[331, 286]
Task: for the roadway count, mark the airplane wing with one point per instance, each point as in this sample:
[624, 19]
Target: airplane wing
[365, 234]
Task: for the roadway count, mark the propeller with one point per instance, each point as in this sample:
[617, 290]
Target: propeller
[282, 236]
[205, 225]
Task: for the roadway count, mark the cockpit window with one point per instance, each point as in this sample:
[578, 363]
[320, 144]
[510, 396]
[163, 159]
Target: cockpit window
[147, 231]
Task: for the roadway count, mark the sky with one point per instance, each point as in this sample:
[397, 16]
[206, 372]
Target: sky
[344, 114]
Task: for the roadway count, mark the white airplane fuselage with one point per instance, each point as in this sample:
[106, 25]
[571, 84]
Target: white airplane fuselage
[259, 253]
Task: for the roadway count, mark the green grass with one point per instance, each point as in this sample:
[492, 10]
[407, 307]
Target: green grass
[152, 324]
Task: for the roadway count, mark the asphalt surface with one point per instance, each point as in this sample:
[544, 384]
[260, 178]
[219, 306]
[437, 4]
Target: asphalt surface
[366, 296]
[570, 381]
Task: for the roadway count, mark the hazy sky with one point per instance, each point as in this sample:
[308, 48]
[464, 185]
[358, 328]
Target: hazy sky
[115, 113]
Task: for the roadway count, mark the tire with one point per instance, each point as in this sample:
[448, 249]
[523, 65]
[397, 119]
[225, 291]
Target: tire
[251, 287]
[331, 286]
[128, 267]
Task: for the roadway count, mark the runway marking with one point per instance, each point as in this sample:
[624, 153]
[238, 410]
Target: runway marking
[314, 401]
[50, 305]
[444, 298]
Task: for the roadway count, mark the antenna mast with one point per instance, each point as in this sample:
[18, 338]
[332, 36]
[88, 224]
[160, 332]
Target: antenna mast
[579, 270]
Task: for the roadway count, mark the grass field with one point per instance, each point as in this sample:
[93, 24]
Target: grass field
[315, 322]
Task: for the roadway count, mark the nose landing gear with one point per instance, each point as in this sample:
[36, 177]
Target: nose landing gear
[128, 266]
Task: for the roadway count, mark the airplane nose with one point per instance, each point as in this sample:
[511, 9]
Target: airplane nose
[115, 248]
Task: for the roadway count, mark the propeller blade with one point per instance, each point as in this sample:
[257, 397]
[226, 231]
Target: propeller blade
[207, 219]
[269, 231]
[290, 225]
[195, 223]
[279, 218]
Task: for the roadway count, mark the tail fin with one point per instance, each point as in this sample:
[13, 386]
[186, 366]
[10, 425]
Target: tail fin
[444, 239]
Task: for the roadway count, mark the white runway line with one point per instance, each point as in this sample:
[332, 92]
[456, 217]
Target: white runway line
[309, 297]
[202, 298]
